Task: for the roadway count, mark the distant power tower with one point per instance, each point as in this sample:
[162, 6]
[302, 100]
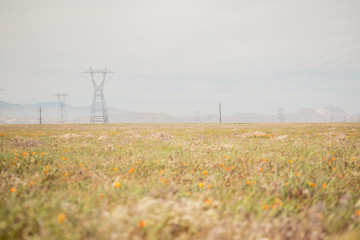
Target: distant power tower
[62, 111]
[98, 108]
[281, 115]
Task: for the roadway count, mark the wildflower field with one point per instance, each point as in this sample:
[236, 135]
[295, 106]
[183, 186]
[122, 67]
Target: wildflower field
[180, 181]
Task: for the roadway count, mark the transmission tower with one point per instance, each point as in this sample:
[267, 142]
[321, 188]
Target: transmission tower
[62, 111]
[98, 108]
[281, 115]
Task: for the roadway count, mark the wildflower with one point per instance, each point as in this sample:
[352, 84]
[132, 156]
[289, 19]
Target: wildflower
[324, 185]
[248, 182]
[357, 212]
[61, 217]
[114, 169]
[142, 224]
[101, 195]
[185, 164]
[287, 183]
[13, 163]
[80, 165]
[209, 186]
[131, 170]
[117, 185]
[222, 165]
[63, 158]
[333, 159]
[290, 161]
[65, 174]
[227, 168]
[201, 184]
[261, 170]
[163, 180]
[254, 182]
[208, 201]
[265, 160]
[12, 190]
[266, 206]
[312, 184]
[46, 172]
[204, 173]
[188, 193]
[31, 184]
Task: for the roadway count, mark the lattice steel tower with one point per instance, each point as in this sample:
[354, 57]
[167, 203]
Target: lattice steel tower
[98, 108]
[62, 110]
[281, 115]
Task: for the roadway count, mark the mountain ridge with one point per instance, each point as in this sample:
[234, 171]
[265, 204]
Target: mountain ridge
[29, 114]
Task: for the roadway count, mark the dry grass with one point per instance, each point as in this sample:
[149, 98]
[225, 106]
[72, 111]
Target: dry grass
[180, 181]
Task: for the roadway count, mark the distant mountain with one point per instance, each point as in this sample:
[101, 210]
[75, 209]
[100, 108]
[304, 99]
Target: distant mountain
[29, 114]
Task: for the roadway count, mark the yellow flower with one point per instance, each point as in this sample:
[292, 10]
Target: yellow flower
[290, 161]
[12, 190]
[261, 170]
[117, 185]
[204, 173]
[114, 169]
[61, 217]
[201, 184]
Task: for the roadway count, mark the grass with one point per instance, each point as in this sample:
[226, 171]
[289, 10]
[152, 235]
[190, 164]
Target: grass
[180, 181]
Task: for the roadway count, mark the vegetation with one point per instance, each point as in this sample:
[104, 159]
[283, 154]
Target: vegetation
[180, 181]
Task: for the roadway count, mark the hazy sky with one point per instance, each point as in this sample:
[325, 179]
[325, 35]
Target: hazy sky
[182, 56]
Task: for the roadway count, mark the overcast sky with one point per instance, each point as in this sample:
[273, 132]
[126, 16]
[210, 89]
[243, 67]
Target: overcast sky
[182, 56]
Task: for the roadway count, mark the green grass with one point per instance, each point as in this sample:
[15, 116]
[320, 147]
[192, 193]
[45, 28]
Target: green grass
[273, 181]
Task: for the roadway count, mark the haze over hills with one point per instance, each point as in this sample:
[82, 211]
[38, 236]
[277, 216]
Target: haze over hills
[29, 114]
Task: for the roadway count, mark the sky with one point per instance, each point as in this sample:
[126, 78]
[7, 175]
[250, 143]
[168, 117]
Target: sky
[183, 56]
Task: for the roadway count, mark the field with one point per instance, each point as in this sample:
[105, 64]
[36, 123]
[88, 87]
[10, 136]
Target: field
[180, 181]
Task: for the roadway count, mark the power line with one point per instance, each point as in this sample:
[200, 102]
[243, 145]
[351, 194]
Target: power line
[260, 80]
[323, 55]
[307, 77]
[307, 70]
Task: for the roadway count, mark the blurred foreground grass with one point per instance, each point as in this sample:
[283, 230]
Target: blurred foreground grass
[180, 181]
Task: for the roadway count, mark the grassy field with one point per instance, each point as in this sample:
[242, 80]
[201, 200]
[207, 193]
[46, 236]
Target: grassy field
[180, 181]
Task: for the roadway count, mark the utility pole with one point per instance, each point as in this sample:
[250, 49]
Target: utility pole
[40, 115]
[62, 111]
[98, 108]
[219, 112]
